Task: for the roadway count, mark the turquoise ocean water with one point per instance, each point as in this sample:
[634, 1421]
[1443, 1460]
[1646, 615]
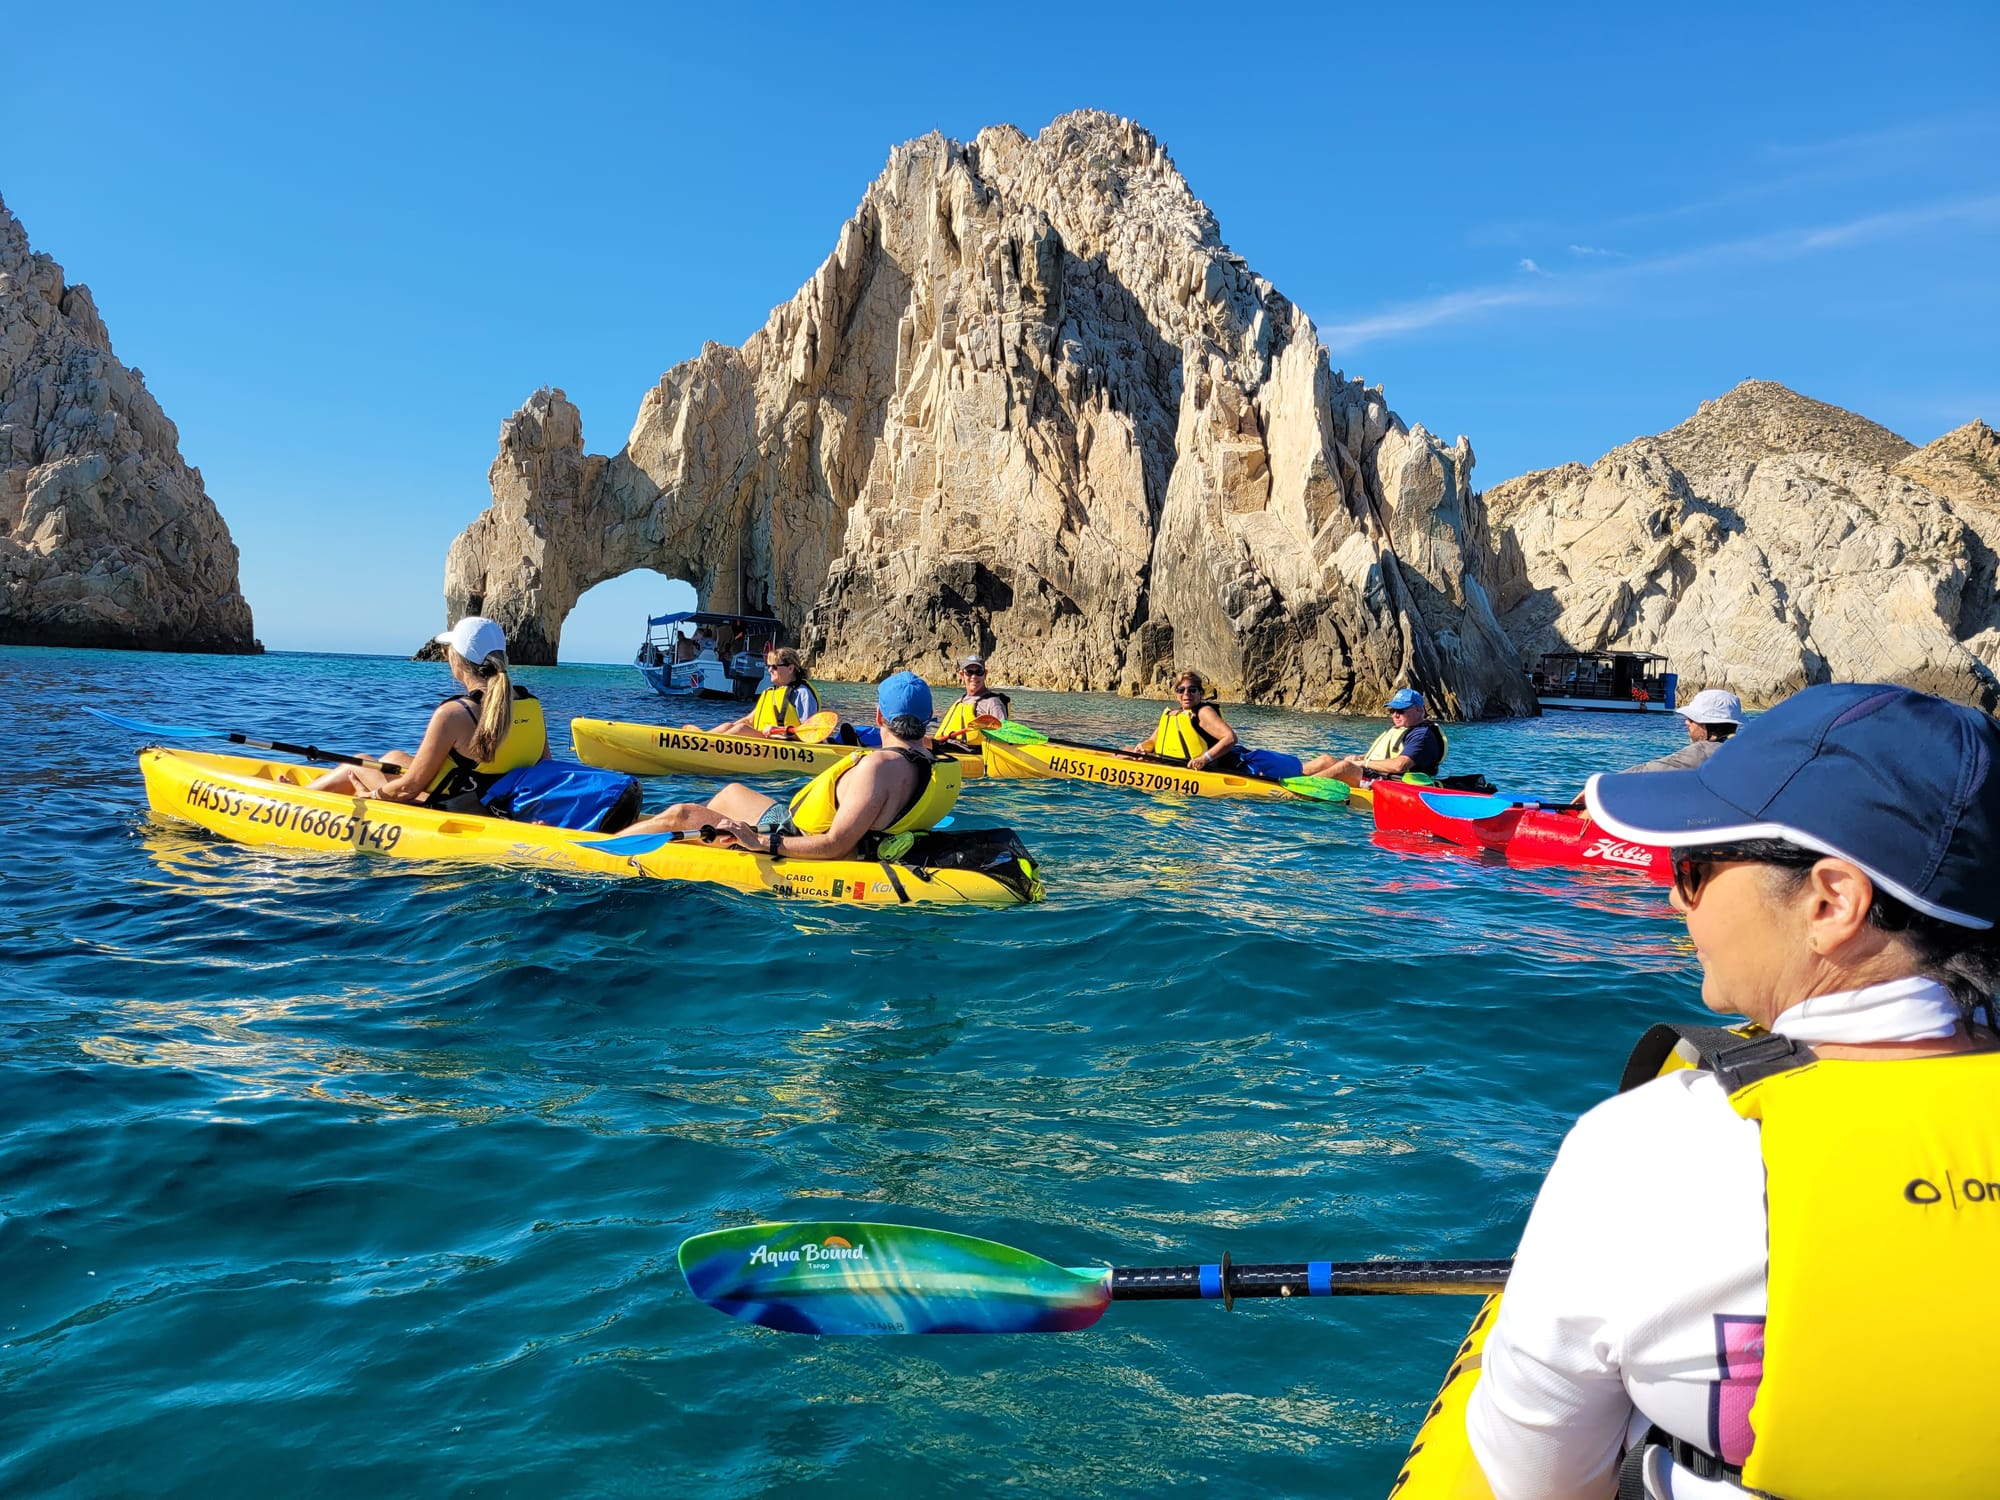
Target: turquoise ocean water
[357, 1177]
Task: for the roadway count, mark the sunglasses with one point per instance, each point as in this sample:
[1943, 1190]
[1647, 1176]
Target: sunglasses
[1696, 867]
[972, 671]
[1182, 692]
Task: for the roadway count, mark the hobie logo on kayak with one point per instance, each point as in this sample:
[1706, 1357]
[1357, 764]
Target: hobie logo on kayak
[831, 1250]
[1620, 853]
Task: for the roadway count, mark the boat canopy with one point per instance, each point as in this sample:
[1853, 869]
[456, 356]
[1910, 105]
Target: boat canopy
[1602, 656]
[709, 617]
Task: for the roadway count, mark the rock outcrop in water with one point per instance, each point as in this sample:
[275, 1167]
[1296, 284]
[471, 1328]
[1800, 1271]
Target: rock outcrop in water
[1768, 542]
[1030, 405]
[106, 536]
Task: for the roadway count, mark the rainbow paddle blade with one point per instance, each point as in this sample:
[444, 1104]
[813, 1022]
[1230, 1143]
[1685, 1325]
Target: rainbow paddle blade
[886, 1278]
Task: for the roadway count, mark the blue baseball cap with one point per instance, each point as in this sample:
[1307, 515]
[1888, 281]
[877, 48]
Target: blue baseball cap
[1898, 782]
[1405, 698]
[904, 695]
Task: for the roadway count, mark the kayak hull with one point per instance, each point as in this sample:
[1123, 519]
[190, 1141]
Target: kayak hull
[1440, 1465]
[266, 803]
[1522, 835]
[663, 750]
[1107, 768]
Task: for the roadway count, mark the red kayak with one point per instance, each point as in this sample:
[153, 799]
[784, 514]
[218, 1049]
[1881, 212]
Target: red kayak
[1523, 832]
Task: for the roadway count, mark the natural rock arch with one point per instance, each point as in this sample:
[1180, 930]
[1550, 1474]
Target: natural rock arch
[1031, 405]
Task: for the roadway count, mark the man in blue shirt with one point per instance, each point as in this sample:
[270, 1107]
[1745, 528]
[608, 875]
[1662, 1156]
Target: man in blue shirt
[1411, 743]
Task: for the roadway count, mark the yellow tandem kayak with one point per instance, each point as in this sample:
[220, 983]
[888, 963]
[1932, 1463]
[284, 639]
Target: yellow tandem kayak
[1440, 1465]
[1109, 768]
[662, 750]
[266, 802]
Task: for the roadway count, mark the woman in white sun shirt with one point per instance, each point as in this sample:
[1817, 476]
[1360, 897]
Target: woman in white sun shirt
[1772, 1271]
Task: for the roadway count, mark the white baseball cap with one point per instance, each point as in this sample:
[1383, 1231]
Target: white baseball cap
[475, 638]
[1713, 706]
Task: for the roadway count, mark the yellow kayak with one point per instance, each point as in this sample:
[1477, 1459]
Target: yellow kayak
[1440, 1465]
[662, 750]
[1109, 768]
[257, 801]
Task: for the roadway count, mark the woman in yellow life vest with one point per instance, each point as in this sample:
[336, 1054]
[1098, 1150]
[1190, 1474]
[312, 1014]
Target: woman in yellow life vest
[1194, 734]
[1768, 1271]
[979, 702]
[780, 708]
[473, 739]
[900, 788]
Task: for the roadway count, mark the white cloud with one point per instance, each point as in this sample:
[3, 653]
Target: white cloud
[1589, 250]
[1553, 289]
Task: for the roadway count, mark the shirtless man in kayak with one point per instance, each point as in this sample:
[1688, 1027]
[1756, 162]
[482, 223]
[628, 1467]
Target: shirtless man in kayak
[900, 788]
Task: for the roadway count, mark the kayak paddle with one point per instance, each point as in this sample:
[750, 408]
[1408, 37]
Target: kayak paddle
[815, 730]
[1472, 808]
[848, 1278]
[635, 844]
[197, 732]
[1315, 788]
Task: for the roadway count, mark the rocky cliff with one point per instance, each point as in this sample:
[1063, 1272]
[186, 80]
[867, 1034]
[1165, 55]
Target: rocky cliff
[106, 537]
[1030, 405]
[1768, 542]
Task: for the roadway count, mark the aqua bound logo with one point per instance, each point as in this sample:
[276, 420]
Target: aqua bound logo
[1959, 1190]
[830, 1251]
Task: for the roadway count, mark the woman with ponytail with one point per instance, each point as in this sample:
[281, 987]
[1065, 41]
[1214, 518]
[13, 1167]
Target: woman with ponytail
[491, 728]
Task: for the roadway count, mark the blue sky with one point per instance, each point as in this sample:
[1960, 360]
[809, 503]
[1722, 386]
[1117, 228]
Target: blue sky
[344, 243]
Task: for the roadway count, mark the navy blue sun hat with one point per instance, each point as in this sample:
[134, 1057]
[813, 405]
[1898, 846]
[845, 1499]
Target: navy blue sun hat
[1904, 785]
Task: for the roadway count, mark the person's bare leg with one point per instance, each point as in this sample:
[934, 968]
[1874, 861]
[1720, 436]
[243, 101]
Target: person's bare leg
[733, 801]
[362, 779]
[1345, 768]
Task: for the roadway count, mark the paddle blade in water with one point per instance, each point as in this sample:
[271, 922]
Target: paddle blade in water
[158, 731]
[1319, 788]
[886, 1278]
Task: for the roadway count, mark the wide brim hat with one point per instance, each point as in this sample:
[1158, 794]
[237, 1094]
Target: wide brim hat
[1898, 782]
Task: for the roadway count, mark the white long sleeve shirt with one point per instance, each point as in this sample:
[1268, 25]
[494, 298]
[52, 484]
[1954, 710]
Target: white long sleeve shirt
[1638, 1292]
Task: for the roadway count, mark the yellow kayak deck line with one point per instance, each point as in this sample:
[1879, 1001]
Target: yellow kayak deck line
[1113, 768]
[1440, 1465]
[663, 750]
[266, 803]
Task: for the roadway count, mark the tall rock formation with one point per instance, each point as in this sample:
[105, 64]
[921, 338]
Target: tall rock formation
[1768, 542]
[106, 537]
[1030, 405]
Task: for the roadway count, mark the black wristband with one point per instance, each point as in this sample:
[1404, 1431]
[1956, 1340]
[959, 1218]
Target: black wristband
[773, 841]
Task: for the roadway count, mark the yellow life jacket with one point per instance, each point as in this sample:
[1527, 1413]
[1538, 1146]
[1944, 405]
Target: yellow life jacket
[527, 737]
[775, 710]
[1390, 742]
[813, 808]
[1179, 736]
[957, 723]
[1881, 1338]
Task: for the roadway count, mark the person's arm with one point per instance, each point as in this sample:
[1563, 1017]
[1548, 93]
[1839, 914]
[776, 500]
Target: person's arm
[857, 802]
[805, 702]
[449, 727]
[1606, 1270]
[1686, 758]
[1394, 765]
[1219, 730]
